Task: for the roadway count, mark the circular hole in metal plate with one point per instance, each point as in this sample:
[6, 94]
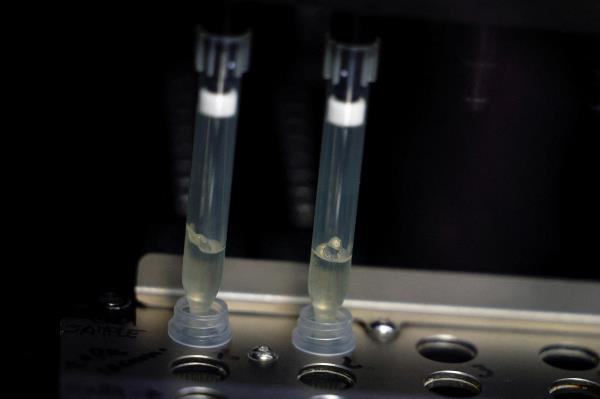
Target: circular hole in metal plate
[452, 384]
[199, 368]
[327, 376]
[574, 388]
[198, 393]
[569, 357]
[446, 349]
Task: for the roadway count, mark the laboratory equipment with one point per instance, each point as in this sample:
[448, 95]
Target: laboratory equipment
[468, 191]
[325, 327]
[199, 318]
[502, 346]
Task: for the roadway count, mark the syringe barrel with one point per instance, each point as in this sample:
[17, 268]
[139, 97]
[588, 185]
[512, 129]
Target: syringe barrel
[349, 70]
[220, 62]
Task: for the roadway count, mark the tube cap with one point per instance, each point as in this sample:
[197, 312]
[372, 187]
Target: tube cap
[331, 338]
[222, 54]
[200, 331]
[343, 59]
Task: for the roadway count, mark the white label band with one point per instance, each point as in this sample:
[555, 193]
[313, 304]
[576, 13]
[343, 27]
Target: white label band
[217, 105]
[346, 114]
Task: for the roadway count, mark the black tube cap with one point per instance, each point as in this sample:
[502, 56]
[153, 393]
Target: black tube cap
[352, 29]
[225, 18]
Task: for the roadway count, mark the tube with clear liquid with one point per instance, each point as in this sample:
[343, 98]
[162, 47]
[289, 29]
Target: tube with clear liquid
[350, 69]
[201, 320]
[220, 61]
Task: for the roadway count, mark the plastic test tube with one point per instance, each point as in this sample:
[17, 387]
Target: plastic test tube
[200, 319]
[325, 328]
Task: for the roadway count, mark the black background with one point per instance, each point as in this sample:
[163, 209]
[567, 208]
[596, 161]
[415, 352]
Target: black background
[509, 189]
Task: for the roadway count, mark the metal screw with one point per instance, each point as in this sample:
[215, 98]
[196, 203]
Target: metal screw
[263, 355]
[383, 330]
[113, 301]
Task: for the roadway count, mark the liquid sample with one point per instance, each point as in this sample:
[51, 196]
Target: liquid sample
[208, 209]
[328, 277]
[202, 270]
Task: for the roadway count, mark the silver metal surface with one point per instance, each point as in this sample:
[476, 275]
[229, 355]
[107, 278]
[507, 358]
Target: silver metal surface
[507, 321]
[521, 299]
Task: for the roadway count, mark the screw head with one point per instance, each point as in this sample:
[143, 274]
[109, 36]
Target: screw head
[112, 301]
[263, 355]
[384, 330]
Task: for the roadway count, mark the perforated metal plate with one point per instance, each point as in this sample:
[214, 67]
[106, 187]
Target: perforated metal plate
[485, 337]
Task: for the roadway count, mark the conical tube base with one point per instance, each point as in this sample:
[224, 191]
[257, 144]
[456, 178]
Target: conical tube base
[200, 331]
[331, 338]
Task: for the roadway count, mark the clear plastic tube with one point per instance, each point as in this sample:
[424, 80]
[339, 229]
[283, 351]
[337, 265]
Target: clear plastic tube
[324, 327]
[349, 70]
[220, 61]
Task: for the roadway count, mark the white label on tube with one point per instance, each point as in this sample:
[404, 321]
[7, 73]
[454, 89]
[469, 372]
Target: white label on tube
[346, 114]
[218, 105]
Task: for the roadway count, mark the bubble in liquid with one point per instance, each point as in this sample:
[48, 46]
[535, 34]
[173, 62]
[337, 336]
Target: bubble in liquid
[332, 250]
[202, 242]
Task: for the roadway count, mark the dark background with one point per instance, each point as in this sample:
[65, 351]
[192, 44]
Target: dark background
[506, 184]
[100, 145]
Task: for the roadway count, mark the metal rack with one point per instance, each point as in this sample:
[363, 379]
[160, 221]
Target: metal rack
[419, 335]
